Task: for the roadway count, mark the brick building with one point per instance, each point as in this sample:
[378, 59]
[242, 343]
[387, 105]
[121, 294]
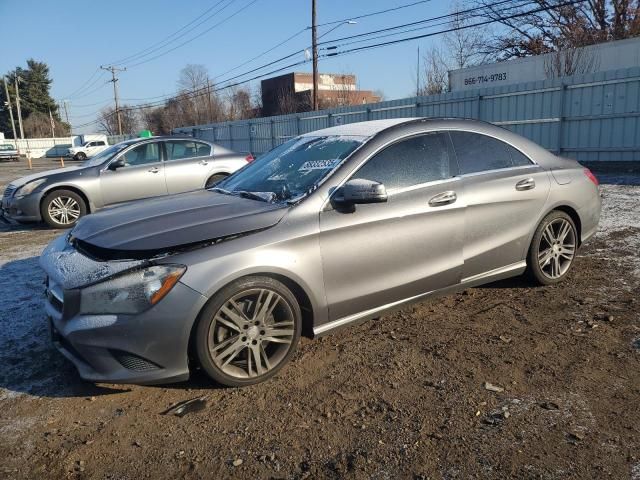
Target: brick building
[292, 92]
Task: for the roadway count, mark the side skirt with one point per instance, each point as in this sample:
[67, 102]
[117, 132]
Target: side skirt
[501, 273]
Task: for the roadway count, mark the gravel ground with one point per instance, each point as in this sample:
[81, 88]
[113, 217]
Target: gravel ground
[401, 397]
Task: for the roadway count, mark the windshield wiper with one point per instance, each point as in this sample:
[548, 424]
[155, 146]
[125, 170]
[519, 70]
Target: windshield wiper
[267, 197]
[220, 190]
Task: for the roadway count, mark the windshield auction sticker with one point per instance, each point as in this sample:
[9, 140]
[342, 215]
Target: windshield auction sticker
[319, 164]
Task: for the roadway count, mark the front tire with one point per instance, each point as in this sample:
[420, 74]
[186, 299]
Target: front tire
[553, 248]
[248, 331]
[63, 208]
[81, 156]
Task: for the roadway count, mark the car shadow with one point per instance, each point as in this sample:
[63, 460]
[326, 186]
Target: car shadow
[7, 226]
[514, 282]
[30, 363]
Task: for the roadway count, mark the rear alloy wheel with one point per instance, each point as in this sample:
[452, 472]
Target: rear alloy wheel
[213, 179]
[553, 248]
[248, 331]
[80, 156]
[63, 208]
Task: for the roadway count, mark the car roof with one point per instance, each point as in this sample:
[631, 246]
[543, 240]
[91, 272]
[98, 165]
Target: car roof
[372, 128]
[361, 129]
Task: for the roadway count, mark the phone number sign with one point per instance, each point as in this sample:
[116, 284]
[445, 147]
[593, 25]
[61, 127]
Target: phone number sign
[482, 79]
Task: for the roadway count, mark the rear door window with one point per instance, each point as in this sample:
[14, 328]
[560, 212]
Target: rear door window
[181, 149]
[479, 153]
[416, 160]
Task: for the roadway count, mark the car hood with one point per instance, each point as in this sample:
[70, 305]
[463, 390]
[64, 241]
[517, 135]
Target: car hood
[49, 174]
[159, 224]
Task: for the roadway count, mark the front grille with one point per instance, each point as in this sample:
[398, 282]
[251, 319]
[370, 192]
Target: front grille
[133, 362]
[8, 192]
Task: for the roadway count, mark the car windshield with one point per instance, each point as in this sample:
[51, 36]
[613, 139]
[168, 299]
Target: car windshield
[292, 170]
[105, 155]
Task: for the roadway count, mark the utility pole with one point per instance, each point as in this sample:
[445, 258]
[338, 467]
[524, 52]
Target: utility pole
[18, 108]
[8, 105]
[209, 100]
[314, 48]
[66, 111]
[52, 125]
[418, 74]
[114, 79]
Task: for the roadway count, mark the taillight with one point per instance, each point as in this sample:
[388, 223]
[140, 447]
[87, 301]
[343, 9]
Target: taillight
[591, 177]
[249, 158]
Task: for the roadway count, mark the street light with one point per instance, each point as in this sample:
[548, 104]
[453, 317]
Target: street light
[347, 22]
[314, 50]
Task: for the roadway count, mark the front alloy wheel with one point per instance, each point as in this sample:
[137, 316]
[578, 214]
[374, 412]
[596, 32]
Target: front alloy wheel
[63, 208]
[553, 248]
[248, 331]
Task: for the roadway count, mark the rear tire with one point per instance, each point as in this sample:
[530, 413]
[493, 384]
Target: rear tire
[62, 208]
[553, 249]
[248, 331]
[213, 179]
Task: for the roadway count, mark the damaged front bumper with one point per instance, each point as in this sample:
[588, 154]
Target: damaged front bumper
[150, 347]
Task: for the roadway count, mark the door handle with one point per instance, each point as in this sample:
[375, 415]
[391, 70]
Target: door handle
[154, 170]
[203, 162]
[444, 198]
[526, 184]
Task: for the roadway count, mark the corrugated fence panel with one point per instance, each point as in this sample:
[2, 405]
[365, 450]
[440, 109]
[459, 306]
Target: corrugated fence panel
[587, 117]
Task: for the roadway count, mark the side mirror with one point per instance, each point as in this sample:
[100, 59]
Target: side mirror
[119, 163]
[360, 191]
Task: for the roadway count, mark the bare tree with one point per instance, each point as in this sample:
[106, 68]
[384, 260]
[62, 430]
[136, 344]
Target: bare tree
[570, 61]
[464, 45]
[239, 104]
[286, 102]
[380, 94]
[435, 75]
[194, 80]
[557, 25]
[460, 48]
[345, 93]
[38, 125]
[108, 120]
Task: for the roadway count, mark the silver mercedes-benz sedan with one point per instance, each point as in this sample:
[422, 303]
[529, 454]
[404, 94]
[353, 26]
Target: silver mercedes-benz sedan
[131, 170]
[330, 228]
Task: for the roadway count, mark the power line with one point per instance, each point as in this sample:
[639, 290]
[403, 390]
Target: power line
[288, 39]
[164, 40]
[87, 105]
[399, 7]
[168, 37]
[430, 25]
[428, 20]
[81, 87]
[286, 57]
[200, 92]
[192, 38]
[478, 24]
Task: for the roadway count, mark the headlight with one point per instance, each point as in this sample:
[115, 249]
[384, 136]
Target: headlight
[132, 292]
[29, 187]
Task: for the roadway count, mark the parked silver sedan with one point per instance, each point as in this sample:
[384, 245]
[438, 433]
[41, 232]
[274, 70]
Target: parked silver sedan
[130, 170]
[330, 228]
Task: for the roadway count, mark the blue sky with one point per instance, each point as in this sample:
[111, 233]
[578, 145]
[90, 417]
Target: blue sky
[74, 37]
